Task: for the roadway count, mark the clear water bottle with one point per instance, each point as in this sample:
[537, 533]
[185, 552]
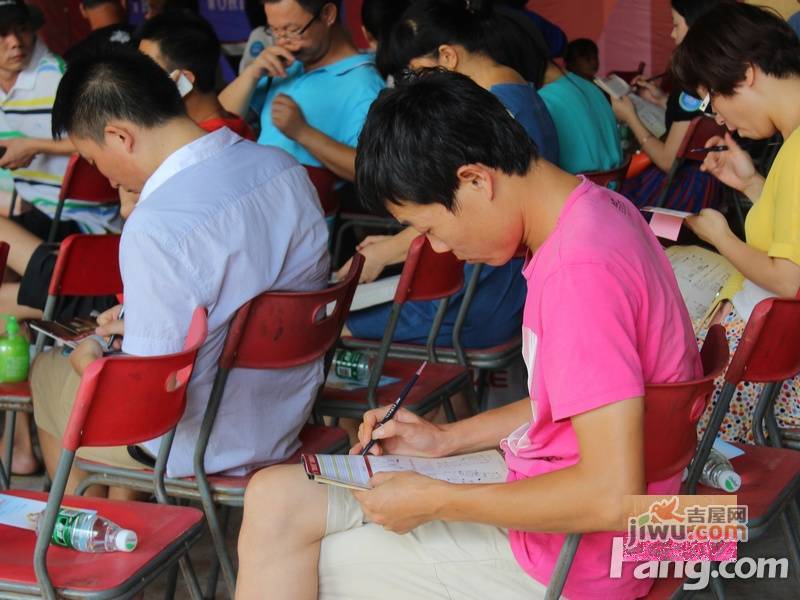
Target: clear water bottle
[88, 532]
[718, 473]
[355, 366]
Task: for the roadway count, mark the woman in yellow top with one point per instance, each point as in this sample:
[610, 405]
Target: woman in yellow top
[747, 60]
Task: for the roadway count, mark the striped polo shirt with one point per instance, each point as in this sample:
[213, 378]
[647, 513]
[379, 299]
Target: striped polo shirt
[25, 111]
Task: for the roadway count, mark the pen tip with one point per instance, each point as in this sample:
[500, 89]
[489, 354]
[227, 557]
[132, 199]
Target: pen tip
[422, 367]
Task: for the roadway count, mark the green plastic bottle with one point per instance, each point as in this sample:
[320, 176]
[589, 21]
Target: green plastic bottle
[14, 354]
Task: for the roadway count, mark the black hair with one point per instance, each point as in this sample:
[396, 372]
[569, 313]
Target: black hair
[691, 10]
[185, 41]
[254, 9]
[580, 48]
[310, 6]
[120, 83]
[454, 120]
[379, 16]
[726, 40]
[499, 34]
[93, 3]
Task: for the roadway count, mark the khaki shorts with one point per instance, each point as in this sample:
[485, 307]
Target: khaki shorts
[54, 384]
[438, 560]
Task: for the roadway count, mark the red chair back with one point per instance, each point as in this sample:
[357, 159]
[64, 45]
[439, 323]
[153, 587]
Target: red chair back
[673, 409]
[130, 399]
[699, 132]
[82, 181]
[87, 265]
[429, 275]
[770, 346]
[278, 330]
[4, 248]
[325, 183]
[612, 178]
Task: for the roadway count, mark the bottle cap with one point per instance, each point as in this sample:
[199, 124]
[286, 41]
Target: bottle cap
[731, 481]
[126, 540]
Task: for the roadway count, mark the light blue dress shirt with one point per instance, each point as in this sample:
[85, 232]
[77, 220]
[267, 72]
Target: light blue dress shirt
[335, 99]
[220, 221]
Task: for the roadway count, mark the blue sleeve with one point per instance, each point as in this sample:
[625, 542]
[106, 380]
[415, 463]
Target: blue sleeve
[356, 117]
[259, 97]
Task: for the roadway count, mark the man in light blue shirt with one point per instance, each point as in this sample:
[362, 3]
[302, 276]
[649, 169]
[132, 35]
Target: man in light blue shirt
[312, 88]
[218, 221]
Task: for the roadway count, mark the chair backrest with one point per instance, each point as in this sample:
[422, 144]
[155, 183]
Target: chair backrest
[87, 265]
[4, 248]
[82, 181]
[612, 178]
[700, 130]
[325, 181]
[126, 400]
[429, 275]
[673, 409]
[278, 330]
[769, 350]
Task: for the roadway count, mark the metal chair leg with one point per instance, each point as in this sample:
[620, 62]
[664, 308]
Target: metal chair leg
[172, 582]
[213, 576]
[563, 565]
[190, 577]
[449, 413]
[8, 453]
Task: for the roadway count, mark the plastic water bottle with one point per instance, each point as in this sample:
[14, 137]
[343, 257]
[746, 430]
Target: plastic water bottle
[718, 473]
[355, 366]
[88, 532]
[14, 353]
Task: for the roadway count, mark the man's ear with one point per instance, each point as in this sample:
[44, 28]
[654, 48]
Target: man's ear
[477, 179]
[448, 57]
[329, 14]
[749, 75]
[119, 137]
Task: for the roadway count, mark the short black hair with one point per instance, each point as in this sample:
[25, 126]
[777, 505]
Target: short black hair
[185, 41]
[580, 48]
[420, 133]
[93, 3]
[479, 27]
[379, 16]
[726, 40]
[119, 83]
[310, 6]
[691, 10]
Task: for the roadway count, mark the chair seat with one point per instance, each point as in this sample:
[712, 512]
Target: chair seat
[162, 530]
[494, 357]
[314, 439]
[436, 380]
[770, 478]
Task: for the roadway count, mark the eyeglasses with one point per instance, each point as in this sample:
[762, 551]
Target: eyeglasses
[297, 33]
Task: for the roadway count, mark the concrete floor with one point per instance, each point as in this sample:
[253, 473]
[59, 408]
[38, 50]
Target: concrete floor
[772, 545]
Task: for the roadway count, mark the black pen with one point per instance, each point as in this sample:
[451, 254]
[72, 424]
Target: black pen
[113, 337]
[393, 408]
[709, 149]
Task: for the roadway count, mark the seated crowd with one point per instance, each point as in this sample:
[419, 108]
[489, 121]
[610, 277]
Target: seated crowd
[474, 124]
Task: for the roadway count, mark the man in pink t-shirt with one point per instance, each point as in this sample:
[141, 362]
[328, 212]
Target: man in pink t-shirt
[603, 317]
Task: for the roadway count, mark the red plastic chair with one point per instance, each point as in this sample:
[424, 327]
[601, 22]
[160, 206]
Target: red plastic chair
[768, 353]
[612, 179]
[275, 330]
[84, 182]
[324, 181]
[700, 130]
[87, 265]
[672, 411]
[121, 400]
[427, 276]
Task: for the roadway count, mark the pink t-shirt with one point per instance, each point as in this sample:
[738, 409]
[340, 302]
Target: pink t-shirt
[603, 316]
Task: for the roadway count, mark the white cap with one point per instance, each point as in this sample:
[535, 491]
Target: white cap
[125, 540]
[731, 481]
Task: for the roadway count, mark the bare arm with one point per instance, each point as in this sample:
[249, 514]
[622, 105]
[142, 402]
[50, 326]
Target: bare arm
[19, 152]
[661, 153]
[379, 252]
[588, 496]
[273, 61]
[337, 157]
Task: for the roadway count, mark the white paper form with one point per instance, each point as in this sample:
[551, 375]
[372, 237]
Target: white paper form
[701, 274]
